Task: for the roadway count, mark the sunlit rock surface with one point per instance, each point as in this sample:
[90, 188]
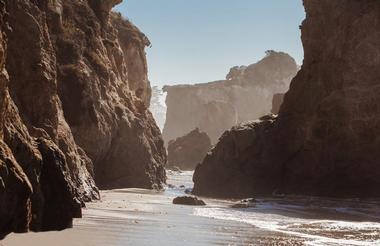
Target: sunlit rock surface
[214, 107]
[74, 95]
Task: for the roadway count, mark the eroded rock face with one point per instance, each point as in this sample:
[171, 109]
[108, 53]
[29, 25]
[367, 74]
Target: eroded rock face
[188, 151]
[325, 140]
[103, 8]
[109, 117]
[245, 95]
[15, 212]
[74, 95]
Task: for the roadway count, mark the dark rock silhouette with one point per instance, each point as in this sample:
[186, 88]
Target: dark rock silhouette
[73, 108]
[324, 141]
[214, 107]
[188, 200]
[188, 151]
[238, 165]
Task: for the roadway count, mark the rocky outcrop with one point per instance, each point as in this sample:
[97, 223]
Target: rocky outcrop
[238, 165]
[277, 101]
[34, 169]
[109, 117]
[246, 94]
[324, 141]
[73, 108]
[188, 151]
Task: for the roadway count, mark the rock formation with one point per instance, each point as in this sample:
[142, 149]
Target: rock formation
[325, 140]
[277, 101]
[158, 107]
[214, 107]
[188, 151]
[73, 107]
[188, 200]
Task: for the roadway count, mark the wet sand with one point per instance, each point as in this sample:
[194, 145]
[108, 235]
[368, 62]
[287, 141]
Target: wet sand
[144, 217]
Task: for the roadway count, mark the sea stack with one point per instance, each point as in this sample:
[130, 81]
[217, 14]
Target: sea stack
[188, 151]
[245, 94]
[325, 139]
[74, 98]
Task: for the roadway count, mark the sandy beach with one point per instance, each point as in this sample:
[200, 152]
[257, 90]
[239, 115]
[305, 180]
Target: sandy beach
[144, 217]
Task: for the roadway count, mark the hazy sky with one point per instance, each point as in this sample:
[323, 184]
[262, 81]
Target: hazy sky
[199, 40]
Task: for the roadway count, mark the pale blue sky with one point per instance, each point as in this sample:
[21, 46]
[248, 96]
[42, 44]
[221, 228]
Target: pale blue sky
[199, 40]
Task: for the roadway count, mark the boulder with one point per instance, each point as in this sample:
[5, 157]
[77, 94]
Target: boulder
[188, 191]
[188, 200]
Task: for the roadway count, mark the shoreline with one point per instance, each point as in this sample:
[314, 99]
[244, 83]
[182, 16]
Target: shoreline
[140, 217]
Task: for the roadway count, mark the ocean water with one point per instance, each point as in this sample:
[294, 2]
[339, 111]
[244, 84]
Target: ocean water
[316, 221]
